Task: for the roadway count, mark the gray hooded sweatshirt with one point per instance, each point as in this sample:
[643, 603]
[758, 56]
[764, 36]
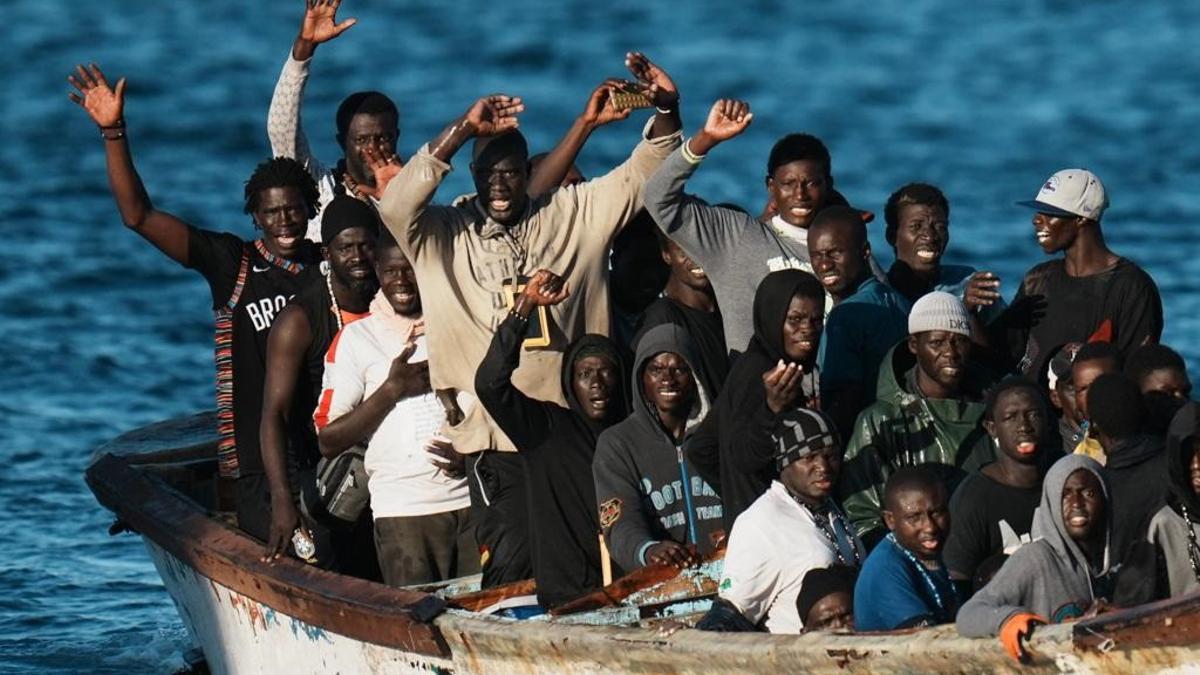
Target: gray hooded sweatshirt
[646, 489]
[1049, 576]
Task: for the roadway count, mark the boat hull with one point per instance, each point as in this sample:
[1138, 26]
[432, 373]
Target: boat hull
[239, 634]
[248, 616]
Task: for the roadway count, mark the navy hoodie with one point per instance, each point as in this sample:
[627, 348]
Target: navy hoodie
[646, 489]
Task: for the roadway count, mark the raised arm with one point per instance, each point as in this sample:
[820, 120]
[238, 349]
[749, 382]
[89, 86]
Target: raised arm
[408, 192]
[349, 422]
[693, 225]
[106, 105]
[283, 116]
[286, 344]
[554, 166]
[526, 421]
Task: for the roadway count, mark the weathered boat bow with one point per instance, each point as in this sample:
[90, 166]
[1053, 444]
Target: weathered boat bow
[251, 616]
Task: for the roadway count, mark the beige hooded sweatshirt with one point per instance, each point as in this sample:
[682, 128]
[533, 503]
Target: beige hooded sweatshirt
[463, 258]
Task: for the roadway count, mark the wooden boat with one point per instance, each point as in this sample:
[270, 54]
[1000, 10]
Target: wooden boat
[249, 616]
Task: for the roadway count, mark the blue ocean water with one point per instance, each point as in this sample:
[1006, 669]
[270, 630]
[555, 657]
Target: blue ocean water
[102, 334]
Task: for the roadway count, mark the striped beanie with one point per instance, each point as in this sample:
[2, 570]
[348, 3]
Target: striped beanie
[800, 432]
[939, 311]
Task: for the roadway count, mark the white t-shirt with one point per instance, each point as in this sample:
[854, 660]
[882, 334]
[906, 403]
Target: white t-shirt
[774, 543]
[402, 480]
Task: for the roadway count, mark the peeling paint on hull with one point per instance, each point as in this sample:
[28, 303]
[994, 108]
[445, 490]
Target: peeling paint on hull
[240, 635]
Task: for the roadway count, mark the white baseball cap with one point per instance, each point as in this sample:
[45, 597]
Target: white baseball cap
[1071, 192]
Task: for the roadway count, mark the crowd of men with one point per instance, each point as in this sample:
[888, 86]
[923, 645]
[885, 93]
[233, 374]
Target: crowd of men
[569, 379]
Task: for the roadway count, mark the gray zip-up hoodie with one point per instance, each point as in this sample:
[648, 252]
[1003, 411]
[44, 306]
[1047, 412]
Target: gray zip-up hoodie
[1049, 576]
[646, 489]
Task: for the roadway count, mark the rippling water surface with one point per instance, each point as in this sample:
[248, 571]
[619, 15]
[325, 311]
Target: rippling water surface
[102, 334]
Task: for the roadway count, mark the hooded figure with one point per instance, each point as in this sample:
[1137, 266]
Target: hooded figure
[905, 428]
[556, 446]
[1050, 576]
[741, 461]
[646, 490]
[1175, 529]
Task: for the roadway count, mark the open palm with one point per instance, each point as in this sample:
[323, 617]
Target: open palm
[494, 114]
[320, 21]
[103, 104]
[727, 119]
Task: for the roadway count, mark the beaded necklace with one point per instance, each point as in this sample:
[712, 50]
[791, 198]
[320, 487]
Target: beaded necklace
[821, 518]
[1193, 546]
[937, 596]
[337, 311]
[287, 265]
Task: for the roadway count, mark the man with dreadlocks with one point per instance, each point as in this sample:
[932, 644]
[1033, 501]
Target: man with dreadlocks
[251, 281]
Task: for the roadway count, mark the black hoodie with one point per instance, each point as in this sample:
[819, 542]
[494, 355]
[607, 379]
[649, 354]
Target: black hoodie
[557, 446]
[741, 462]
[1137, 477]
[646, 490]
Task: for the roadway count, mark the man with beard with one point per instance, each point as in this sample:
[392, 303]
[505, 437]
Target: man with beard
[1062, 573]
[795, 526]
[1162, 376]
[992, 509]
[478, 253]
[688, 301]
[1090, 291]
[918, 228]
[376, 392]
[733, 248]
[250, 281]
[654, 508]
[927, 412]
[734, 451]
[556, 444]
[903, 583]
[867, 319]
[296, 360]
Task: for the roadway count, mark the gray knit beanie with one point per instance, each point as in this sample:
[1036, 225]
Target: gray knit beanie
[939, 311]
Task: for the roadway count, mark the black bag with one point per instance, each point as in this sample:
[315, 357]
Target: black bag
[340, 492]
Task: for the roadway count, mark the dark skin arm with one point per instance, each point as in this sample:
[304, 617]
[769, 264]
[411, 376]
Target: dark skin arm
[726, 119]
[673, 554]
[290, 337]
[319, 26]
[598, 112]
[105, 105]
[657, 84]
[404, 380]
[488, 116]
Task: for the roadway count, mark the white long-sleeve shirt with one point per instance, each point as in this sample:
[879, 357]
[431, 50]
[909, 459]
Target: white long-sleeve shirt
[287, 135]
[402, 480]
[774, 543]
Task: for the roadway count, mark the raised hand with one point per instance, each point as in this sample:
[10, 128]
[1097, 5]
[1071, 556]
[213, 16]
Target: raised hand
[600, 110]
[782, 384]
[320, 21]
[495, 114]
[659, 86]
[383, 167]
[727, 118]
[105, 105]
[545, 288]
